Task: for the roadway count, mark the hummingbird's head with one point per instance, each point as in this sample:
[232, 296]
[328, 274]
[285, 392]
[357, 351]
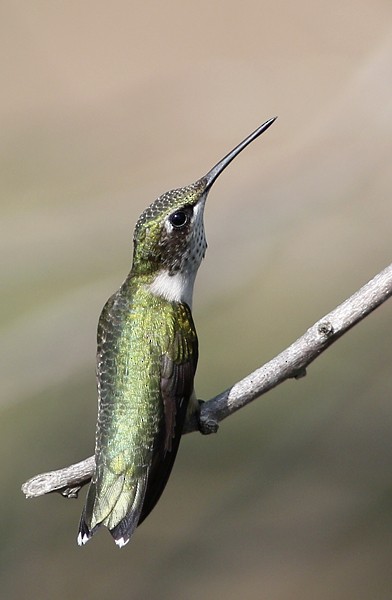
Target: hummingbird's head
[169, 234]
[169, 239]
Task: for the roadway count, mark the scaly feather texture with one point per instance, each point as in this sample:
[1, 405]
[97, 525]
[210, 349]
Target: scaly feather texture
[145, 368]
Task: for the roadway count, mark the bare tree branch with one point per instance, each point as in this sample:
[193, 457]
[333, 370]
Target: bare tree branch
[291, 363]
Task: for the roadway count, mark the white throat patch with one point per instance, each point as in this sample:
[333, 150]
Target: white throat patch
[174, 288]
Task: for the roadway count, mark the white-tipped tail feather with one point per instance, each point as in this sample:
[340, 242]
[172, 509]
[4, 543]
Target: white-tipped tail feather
[83, 539]
[121, 542]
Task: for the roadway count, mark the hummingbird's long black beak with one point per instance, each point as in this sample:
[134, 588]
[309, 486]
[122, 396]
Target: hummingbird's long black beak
[222, 164]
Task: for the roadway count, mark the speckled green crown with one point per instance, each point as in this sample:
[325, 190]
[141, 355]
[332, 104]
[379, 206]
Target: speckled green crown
[167, 203]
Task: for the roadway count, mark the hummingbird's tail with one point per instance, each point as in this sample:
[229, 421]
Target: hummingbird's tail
[115, 501]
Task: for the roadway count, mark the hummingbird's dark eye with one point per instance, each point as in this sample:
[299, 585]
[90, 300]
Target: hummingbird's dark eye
[178, 219]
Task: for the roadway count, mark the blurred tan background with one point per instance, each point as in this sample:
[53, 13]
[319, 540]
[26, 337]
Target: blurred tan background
[104, 106]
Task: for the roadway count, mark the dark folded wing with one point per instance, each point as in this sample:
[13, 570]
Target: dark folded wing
[177, 374]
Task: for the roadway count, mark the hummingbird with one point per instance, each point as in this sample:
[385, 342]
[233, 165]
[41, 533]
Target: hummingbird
[147, 352]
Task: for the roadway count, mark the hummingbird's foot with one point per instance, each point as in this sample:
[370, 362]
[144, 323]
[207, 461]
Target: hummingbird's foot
[206, 424]
[70, 492]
